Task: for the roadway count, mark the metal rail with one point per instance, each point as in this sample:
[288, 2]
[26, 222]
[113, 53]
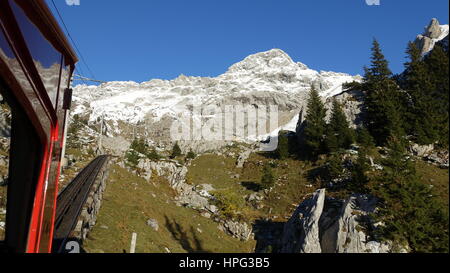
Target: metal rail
[71, 201]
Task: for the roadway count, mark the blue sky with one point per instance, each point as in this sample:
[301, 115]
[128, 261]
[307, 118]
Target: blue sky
[144, 39]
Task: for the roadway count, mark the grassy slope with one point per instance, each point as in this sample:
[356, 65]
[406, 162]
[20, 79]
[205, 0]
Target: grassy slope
[291, 187]
[439, 178]
[128, 204]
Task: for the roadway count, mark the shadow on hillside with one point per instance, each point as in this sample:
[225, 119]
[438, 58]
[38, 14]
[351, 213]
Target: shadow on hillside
[251, 186]
[268, 236]
[317, 176]
[187, 239]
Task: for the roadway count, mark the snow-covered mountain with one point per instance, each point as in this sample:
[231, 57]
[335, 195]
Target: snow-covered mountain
[266, 78]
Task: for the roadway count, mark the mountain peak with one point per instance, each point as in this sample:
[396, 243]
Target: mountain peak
[433, 34]
[274, 58]
[433, 30]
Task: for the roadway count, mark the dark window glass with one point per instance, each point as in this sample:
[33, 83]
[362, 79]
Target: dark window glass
[5, 136]
[46, 58]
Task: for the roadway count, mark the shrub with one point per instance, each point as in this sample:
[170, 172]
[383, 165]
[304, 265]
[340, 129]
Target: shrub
[334, 168]
[139, 146]
[132, 158]
[191, 155]
[176, 151]
[283, 146]
[153, 155]
[268, 178]
[228, 202]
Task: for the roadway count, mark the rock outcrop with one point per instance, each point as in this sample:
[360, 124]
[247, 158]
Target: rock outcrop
[301, 232]
[239, 230]
[346, 234]
[243, 156]
[326, 225]
[174, 172]
[433, 34]
[434, 156]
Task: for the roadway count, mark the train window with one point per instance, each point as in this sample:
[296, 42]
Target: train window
[46, 58]
[5, 135]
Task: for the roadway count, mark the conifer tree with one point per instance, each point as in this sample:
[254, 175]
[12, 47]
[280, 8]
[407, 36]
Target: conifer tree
[315, 129]
[410, 212]
[268, 178]
[191, 155]
[359, 177]
[283, 146]
[384, 103]
[334, 168]
[437, 62]
[364, 138]
[153, 154]
[422, 118]
[339, 133]
[176, 151]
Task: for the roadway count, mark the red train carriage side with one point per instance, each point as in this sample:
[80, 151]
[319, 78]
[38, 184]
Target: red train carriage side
[36, 64]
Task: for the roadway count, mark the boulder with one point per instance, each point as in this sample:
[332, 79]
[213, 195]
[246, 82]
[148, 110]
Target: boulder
[433, 30]
[421, 150]
[327, 225]
[346, 235]
[243, 156]
[153, 223]
[301, 232]
[239, 230]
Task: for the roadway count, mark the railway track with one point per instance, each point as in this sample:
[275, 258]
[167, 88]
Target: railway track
[71, 200]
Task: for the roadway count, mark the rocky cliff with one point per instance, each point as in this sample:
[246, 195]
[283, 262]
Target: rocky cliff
[327, 225]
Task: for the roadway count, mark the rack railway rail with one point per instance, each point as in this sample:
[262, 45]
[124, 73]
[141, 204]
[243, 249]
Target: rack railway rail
[71, 201]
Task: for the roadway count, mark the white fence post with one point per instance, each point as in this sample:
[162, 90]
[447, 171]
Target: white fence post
[133, 243]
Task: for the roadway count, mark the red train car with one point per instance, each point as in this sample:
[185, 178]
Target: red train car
[36, 65]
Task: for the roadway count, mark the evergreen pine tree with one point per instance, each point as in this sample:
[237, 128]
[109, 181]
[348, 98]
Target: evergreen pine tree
[268, 178]
[283, 146]
[191, 155]
[421, 113]
[176, 151]
[153, 154]
[315, 129]
[339, 133]
[437, 62]
[359, 177]
[364, 138]
[139, 146]
[334, 168]
[410, 212]
[384, 103]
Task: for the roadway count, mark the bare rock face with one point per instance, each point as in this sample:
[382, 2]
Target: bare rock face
[239, 230]
[301, 232]
[243, 156]
[434, 33]
[326, 225]
[433, 30]
[421, 150]
[352, 104]
[153, 223]
[116, 145]
[346, 235]
[171, 170]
